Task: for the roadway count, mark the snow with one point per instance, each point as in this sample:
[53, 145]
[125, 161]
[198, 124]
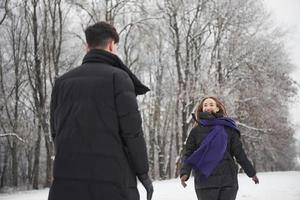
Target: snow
[273, 185]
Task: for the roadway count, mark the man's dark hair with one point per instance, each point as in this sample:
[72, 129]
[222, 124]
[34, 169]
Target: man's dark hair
[99, 34]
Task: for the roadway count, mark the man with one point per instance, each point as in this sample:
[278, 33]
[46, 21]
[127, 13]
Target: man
[96, 126]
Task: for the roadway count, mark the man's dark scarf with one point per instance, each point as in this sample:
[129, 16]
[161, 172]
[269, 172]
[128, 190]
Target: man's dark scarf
[211, 150]
[102, 56]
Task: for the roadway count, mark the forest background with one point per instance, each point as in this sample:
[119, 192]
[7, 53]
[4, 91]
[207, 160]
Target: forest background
[183, 50]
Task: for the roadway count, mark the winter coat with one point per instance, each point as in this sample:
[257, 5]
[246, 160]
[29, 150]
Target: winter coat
[96, 126]
[225, 174]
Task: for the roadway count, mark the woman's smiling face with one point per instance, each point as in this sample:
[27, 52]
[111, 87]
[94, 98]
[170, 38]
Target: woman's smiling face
[209, 105]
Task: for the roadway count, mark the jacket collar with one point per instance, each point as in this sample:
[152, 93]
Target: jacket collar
[207, 115]
[102, 56]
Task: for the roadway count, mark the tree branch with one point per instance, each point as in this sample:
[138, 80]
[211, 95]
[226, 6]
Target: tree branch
[252, 128]
[14, 135]
[5, 12]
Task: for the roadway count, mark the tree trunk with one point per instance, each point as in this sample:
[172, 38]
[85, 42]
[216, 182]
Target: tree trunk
[49, 162]
[36, 163]
[14, 163]
[30, 167]
[151, 145]
[49, 150]
[4, 169]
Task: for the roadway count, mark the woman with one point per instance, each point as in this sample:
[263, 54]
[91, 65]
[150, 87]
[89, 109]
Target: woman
[211, 147]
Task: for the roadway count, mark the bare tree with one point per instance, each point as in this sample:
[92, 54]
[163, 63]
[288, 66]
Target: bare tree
[12, 94]
[5, 8]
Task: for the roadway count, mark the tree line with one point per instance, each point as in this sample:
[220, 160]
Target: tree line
[183, 50]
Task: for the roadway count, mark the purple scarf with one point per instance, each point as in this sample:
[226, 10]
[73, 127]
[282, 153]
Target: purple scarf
[212, 149]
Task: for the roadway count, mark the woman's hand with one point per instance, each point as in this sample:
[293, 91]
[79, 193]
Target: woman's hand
[183, 179]
[255, 179]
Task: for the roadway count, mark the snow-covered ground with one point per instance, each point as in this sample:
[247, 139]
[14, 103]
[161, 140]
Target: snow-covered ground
[273, 186]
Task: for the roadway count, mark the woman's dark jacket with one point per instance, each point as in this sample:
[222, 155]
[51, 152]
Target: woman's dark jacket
[96, 126]
[225, 174]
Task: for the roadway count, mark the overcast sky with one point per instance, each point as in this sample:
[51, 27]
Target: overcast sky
[286, 13]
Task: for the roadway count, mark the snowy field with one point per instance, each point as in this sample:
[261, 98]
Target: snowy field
[273, 186]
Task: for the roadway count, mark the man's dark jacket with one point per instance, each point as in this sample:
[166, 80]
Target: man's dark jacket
[96, 126]
[225, 174]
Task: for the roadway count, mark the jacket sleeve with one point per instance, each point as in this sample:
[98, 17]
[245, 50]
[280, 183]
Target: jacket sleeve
[53, 105]
[130, 123]
[240, 155]
[189, 148]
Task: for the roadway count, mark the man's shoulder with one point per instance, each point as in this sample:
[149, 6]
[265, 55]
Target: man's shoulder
[69, 73]
[92, 69]
[102, 68]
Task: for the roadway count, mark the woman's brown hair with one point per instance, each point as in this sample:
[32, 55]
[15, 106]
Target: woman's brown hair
[220, 105]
